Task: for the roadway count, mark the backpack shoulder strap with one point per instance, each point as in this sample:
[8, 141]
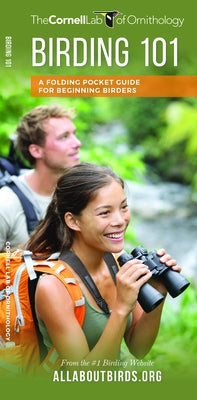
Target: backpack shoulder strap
[61, 270]
[32, 284]
[28, 207]
[8, 166]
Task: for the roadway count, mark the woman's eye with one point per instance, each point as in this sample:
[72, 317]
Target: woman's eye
[104, 213]
[125, 206]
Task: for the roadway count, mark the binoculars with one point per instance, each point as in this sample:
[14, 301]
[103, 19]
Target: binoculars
[148, 297]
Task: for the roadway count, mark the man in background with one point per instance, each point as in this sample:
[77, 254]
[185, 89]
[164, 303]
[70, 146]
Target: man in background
[46, 138]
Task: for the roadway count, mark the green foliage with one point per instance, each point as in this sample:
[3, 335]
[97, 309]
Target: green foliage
[180, 137]
[164, 130]
[176, 345]
[142, 118]
[181, 121]
[128, 166]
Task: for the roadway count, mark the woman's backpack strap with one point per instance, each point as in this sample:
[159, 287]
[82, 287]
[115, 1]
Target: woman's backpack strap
[62, 271]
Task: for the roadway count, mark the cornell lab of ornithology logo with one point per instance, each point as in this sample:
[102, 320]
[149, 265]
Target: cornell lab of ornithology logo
[110, 19]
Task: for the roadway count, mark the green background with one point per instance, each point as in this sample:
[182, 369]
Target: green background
[15, 21]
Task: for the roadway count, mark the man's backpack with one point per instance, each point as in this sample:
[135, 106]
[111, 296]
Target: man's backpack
[12, 165]
[21, 349]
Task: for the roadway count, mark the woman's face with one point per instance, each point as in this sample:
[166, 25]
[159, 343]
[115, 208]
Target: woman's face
[103, 222]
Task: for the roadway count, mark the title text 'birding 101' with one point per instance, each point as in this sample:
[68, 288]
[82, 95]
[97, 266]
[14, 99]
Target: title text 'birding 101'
[79, 52]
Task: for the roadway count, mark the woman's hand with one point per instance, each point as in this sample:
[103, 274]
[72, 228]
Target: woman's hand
[129, 279]
[169, 262]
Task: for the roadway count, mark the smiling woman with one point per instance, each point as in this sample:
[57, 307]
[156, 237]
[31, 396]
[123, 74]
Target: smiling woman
[87, 218]
[87, 198]
[107, 217]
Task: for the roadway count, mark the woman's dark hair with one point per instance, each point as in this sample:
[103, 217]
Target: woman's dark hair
[75, 189]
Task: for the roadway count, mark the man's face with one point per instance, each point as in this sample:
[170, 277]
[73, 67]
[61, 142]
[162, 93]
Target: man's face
[61, 148]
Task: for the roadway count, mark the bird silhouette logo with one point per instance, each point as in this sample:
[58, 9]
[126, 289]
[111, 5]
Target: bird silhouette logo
[109, 17]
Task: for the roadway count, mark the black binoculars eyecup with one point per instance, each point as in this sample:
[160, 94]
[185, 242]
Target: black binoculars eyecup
[149, 297]
[174, 282]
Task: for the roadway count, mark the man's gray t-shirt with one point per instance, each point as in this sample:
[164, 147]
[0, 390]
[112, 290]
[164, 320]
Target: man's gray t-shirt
[13, 227]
